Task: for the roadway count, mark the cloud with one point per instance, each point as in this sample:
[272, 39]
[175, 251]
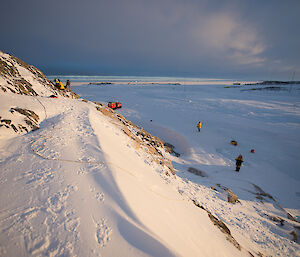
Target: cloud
[224, 34]
[197, 37]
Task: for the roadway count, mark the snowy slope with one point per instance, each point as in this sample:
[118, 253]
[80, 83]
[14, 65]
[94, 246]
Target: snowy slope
[266, 218]
[77, 187]
[87, 183]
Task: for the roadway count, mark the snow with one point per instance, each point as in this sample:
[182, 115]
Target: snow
[263, 120]
[79, 187]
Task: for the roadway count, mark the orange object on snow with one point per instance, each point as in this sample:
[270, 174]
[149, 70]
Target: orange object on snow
[233, 142]
[252, 151]
[114, 105]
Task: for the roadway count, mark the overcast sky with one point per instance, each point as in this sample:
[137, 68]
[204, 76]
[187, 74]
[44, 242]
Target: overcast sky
[232, 39]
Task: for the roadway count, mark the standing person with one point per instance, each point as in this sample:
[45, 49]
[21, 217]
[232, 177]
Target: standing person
[61, 86]
[239, 161]
[56, 81]
[68, 85]
[199, 126]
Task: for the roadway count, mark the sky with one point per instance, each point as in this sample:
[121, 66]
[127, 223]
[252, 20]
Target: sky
[255, 39]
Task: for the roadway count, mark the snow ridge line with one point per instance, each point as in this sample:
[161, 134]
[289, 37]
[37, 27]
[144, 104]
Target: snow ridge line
[35, 149]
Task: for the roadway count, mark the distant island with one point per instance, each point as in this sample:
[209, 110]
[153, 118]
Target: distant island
[101, 83]
[273, 82]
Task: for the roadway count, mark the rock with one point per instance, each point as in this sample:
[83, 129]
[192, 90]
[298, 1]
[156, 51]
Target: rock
[28, 113]
[295, 235]
[170, 149]
[197, 172]
[290, 217]
[232, 197]
[14, 127]
[260, 192]
[8, 122]
[198, 205]
[221, 225]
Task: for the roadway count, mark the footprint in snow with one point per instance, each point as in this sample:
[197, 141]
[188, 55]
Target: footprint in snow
[103, 233]
[57, 202]
[100, 196]
[39, 175]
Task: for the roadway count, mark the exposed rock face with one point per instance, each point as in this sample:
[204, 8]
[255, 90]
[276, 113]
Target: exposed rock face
[170, 149]
[25, 124]
[18, 77]
[220, 225]
[139, 137]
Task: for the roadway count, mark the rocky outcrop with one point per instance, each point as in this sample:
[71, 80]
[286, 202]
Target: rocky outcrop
[18, 77]
[21, 78]
[26, 121]
[220, 225]
[232, 197]
[140, 139]
[170, 149]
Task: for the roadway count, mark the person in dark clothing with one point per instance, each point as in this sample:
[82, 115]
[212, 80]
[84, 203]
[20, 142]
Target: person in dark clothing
[68, 85]
[239, 161]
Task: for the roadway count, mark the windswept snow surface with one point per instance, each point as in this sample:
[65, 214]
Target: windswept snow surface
[257, 117]
[77, 187]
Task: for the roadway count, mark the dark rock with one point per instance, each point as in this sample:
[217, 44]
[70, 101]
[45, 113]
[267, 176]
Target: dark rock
[170, 149]
[8, 122]
[232, 197]
[198, 205]
[14, 127]
[260, 192]
[221, 225]
[294, 235]
[197, 172]
[290, 217]
[28, 113]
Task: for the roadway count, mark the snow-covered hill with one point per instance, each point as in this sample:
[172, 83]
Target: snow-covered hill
[81, 180]
[19, 78]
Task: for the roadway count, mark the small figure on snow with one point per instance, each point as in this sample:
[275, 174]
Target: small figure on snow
[199, 126]
[59, 84]
[233, 142]
[239, 161]
[68, 85]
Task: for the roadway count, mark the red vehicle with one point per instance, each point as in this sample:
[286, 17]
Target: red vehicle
[114, 105]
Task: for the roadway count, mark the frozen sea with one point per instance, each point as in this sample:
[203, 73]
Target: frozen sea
[263, 118]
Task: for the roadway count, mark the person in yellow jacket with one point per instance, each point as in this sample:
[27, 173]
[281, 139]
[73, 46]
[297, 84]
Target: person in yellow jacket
[199, 126]
[239, 161]
[61, 86]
